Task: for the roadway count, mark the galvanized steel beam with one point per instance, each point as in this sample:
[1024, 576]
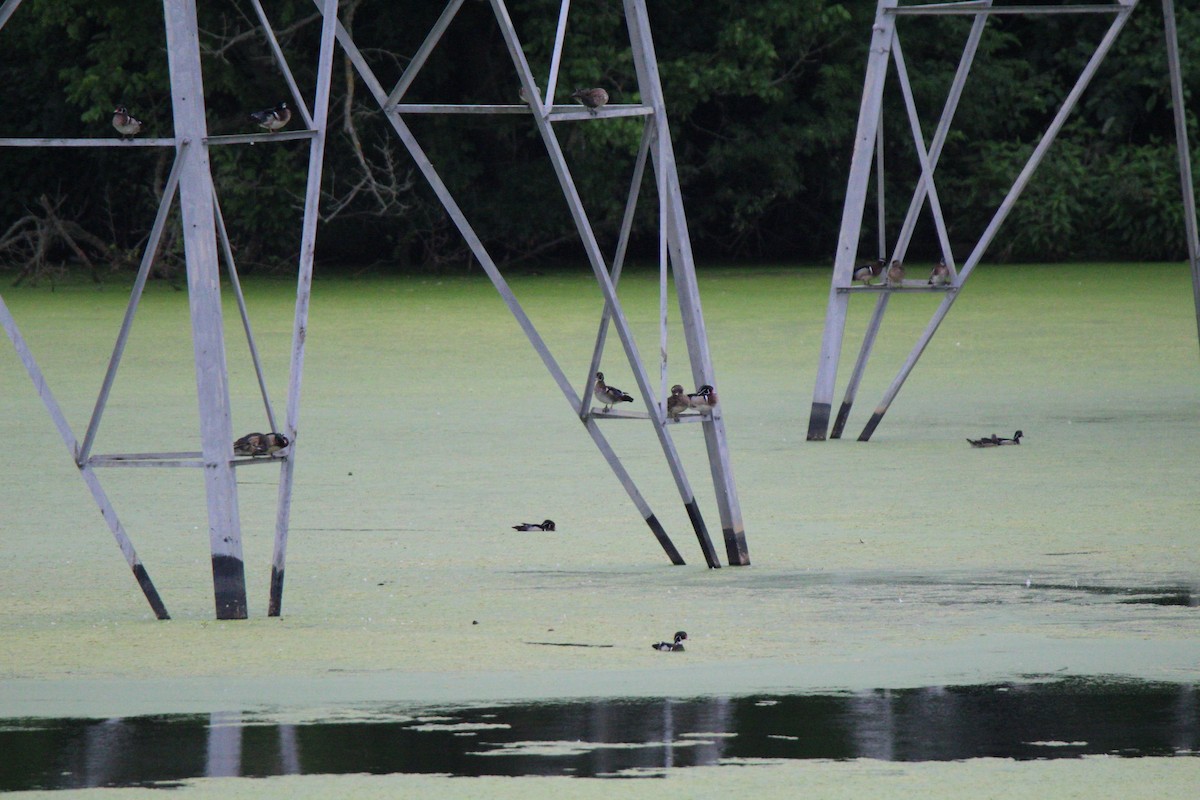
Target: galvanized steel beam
[204, 299]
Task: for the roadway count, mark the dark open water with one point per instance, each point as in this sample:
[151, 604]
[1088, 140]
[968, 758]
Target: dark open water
[616, 738]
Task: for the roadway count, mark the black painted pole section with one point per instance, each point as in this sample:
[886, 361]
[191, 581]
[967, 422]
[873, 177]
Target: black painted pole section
[229, 587]
[275, 605]
[668, 546]
[839, 424]
[872, 424]
[156, 603]
[706, 545]
[818, 422]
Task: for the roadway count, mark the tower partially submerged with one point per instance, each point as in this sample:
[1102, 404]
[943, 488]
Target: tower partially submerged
[885, 51]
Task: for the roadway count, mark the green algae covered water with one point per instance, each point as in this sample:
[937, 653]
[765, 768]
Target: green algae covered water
[429, 428]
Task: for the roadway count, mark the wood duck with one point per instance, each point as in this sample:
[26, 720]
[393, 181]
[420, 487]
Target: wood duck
[895, 273]
[273, 118]
[547, 525]
[671, 647]
[125, 124]
[1016, 438]
[260, 444]
[986, 441]
[609, 395]
[940, 275]
[703, 399]
[592, 98]
[865, 273]
[677, 403]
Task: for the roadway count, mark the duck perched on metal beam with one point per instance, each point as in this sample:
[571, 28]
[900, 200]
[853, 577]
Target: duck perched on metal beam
[260, 444]
[609, 395]
[273, 119]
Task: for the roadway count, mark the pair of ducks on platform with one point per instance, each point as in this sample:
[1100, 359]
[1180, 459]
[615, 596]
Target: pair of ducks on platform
[270, 119]
[702, 400]
[865, 273]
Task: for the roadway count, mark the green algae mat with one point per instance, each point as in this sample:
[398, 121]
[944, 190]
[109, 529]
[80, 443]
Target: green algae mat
[429, 427]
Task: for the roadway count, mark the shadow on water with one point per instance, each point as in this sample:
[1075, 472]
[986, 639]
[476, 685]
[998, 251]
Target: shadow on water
[617, 738]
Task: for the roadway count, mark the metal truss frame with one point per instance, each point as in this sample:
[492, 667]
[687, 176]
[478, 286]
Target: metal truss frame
[885, 49]
[204, 228]
[675, 253]
[206, 240]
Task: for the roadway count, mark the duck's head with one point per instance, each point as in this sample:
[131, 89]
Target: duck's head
[677, 389]
[680, 636]
[599, 376]
[548, 525]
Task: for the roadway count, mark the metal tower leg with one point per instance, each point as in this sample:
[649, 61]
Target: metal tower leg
[684, 270]
[852, 216]
[914, 209]
[1035, 159]
[1185, 155]
[89, 476]
[308, 239]
[204, 297]
[596, 260]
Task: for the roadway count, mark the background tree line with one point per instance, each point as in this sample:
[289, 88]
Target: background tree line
[763, 99]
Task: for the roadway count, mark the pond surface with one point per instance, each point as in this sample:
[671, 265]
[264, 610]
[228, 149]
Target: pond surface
[616, 738]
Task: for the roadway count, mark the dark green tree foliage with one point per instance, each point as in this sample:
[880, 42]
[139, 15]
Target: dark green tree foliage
[763, 99]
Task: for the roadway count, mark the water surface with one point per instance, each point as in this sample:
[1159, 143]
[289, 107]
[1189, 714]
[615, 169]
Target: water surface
[616, 738]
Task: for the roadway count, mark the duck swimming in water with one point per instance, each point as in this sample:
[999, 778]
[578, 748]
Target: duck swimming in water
[547, 525]
[996, 441]
[986, 441]
[671, 647]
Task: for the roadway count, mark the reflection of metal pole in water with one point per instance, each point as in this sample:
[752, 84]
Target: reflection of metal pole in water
[104, 743]
[289, 751]
[668, 734]
[1187, 720]
[224, 745]
[718, 718]
[872, 725]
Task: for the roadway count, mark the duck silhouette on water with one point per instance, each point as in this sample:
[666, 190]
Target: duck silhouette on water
[546, 525]
[671, 647]
[996, 441]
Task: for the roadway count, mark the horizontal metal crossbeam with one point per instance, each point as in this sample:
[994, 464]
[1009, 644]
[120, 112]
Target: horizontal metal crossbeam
[909, 287]
[181, 459]
[10, 141]
[556, 113]
[973, 8]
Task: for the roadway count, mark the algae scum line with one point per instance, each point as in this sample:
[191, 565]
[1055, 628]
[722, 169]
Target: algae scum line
[622, 738]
